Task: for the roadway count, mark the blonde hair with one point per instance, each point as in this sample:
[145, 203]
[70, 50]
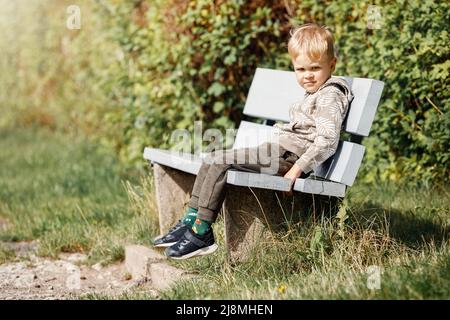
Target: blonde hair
[312, 39]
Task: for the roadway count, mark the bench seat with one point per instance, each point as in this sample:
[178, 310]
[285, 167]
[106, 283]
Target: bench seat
[265, 181]
[190, 163]
[185, 162]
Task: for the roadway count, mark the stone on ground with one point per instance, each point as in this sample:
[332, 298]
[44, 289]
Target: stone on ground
[144, 263]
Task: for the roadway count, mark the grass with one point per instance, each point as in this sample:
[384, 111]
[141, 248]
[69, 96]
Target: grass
[6, 254]
[307, 266]
[69, 194]
[74, 196]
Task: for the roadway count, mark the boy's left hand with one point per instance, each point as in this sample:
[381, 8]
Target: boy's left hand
[293, 174]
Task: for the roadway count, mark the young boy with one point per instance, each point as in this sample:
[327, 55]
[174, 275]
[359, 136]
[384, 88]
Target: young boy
[311, 137]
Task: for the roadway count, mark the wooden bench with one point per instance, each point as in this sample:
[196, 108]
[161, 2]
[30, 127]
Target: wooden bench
[253, 200]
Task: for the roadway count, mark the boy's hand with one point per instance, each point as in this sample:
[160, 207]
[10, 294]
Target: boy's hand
[293, 174]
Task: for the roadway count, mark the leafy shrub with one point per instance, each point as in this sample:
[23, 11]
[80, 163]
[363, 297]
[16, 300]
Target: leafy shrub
[186, 64]
[410, 136]
[195, 59]
[139, 69]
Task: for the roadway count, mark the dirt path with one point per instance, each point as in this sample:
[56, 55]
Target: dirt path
[33, 277]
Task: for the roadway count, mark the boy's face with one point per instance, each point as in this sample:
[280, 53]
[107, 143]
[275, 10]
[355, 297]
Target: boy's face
[312, 74]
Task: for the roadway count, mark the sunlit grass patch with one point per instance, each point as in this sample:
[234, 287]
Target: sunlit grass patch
[70, 194]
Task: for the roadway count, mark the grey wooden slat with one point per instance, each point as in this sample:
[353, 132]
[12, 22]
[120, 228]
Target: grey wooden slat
[272, 92]
[182, 161]
[320, 187]
[344, 165]
[362, 111]
[251, 135]
[264, 181]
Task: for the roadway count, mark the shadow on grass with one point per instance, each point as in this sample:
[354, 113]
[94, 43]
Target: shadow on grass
[413, 229]
[311, 206]
[408, 227]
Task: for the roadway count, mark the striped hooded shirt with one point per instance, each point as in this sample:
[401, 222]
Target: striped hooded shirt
[315, 124]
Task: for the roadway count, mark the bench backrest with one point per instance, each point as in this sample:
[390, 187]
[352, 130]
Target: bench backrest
[271, 94]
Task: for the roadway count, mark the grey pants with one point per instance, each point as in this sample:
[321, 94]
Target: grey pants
[209, 190]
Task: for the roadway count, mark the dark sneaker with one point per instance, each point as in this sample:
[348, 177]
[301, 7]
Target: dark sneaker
[191, 245]
[171, 237]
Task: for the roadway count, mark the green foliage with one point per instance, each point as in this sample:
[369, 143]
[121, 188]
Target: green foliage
[410, 137]
[138, 70]
[194, 60]
[188, 61]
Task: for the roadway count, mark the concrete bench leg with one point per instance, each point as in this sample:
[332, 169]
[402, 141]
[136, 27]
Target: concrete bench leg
[173, 189]
[251, 216]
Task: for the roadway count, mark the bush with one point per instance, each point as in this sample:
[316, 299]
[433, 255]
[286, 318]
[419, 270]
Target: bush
[186, 64]
[138, 70]
[410, 137]
[194, 60]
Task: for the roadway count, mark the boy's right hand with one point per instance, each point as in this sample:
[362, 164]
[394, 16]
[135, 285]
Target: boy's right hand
[292, 175]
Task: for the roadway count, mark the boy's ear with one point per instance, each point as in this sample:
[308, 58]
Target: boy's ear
[333, 64]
